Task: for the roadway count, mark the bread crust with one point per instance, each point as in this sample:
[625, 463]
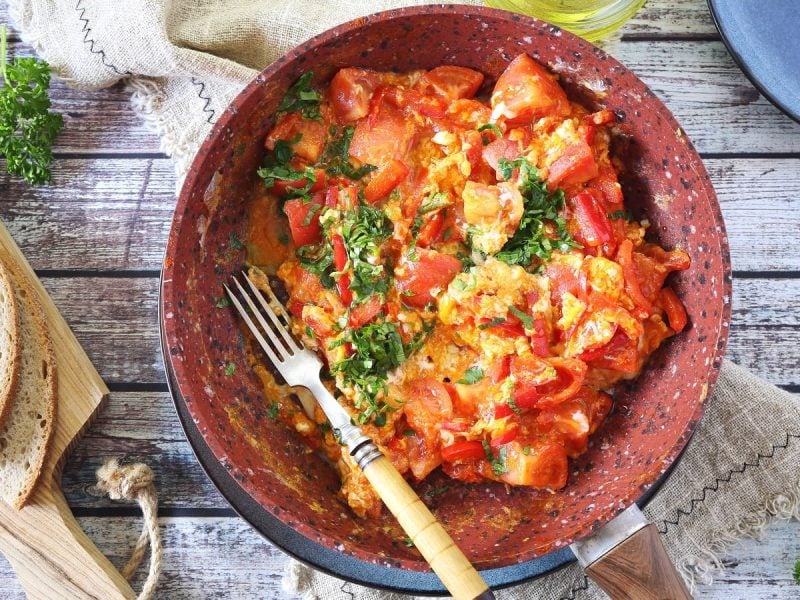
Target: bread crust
[41, 346]
[10, 340]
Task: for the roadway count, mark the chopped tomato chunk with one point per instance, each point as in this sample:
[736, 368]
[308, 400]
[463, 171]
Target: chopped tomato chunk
[544, 465]
[431, 273]
[527, 91]
[304, 219]
[385, 180]
[676, 313]
[465, 450]
[350, 92]
[593, 227]
[451, 82]
[366, 311]
[307, 137]
[576, 165]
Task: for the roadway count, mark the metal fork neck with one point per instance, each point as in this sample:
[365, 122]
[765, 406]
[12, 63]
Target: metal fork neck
[361, 448]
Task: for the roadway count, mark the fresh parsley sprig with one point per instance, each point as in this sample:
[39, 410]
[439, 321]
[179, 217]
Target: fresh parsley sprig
[27, 126]
[336, 157]
[541, 207]
[302, 98]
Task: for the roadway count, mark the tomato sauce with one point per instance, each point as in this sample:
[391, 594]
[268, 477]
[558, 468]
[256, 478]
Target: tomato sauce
[465, 267]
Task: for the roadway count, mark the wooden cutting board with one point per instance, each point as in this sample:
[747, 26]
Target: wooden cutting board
[49, 552]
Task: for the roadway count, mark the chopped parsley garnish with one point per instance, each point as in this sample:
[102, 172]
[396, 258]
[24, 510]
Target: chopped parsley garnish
[363, 231]
[491, 127]
[310, 332]
[223, 302]
[234, 242]
[409, 433]
[277, 168]
[541, 207]
[272, 410]
[513, 406]
[336, 157]
[526, 450]
[527, 320]
[318, 259]
[312, 210]
[408, 542]
[230, 369]
[377, 349]
[302, 98]
[472, 375]
[27, 127]
[498, 462]
[621, 214]
[494, 322]
[434, 202]
[436, 491]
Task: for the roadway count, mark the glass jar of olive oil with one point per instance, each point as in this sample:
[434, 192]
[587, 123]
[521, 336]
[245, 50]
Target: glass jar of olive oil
[590, 19]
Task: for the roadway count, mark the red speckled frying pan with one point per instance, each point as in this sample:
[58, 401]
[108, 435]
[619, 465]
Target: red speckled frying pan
[266, 471]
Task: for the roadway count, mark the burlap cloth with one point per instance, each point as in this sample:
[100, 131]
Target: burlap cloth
[185, 60]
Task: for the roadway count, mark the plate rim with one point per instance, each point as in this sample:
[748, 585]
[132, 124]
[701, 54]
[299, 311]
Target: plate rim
[791, 112]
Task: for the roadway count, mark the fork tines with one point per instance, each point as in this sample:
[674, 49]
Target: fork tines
[283, 346]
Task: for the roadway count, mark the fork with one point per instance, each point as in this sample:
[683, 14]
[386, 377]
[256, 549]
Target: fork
[300, 366]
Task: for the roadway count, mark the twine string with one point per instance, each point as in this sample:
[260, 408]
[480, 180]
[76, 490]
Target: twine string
[135, 483]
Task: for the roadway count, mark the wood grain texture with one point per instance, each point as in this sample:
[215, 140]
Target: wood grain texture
[118, 219]
[50, 553]
[639, 569]
[245, 566]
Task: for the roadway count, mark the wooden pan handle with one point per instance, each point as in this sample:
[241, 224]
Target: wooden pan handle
[639, 569]
[430, 538]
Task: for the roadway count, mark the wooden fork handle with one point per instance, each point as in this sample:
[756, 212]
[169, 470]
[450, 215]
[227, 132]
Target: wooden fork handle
[445, 558]
[639, 569]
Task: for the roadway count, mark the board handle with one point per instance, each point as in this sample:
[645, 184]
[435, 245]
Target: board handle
[445, 558]
[639, 569]
[52, 556]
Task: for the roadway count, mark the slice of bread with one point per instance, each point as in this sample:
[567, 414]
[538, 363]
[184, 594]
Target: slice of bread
[26, 434]
[9, 343]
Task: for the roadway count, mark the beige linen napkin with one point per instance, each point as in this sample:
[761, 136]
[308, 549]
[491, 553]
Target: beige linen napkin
[184, 61]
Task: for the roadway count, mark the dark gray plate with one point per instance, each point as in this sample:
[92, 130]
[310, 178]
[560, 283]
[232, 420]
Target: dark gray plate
[763, 38]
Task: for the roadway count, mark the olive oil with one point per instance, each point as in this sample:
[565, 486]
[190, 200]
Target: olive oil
[591, 19]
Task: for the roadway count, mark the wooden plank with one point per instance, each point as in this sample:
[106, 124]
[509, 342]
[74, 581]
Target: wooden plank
[119, 218]
[714, 102]
[94, 119]
[244, 565]
[141, 427]
[670, 18]
[116, 321]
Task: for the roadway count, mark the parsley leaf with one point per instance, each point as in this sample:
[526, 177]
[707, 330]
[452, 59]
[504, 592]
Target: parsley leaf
[621, 214]
[230, 369]
[272, 410]
[472, 375]
[527, 320]
[300, 97]
[492, 323]
[223, 302]
[541, 207]
[491, 127]
[363, 231]
[336, 157]
[277, 167]
[498, 462]
[318, 259]
[27, 127]
[434, 202]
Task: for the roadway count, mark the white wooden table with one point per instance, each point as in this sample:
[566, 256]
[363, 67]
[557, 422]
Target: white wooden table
[96, 237]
